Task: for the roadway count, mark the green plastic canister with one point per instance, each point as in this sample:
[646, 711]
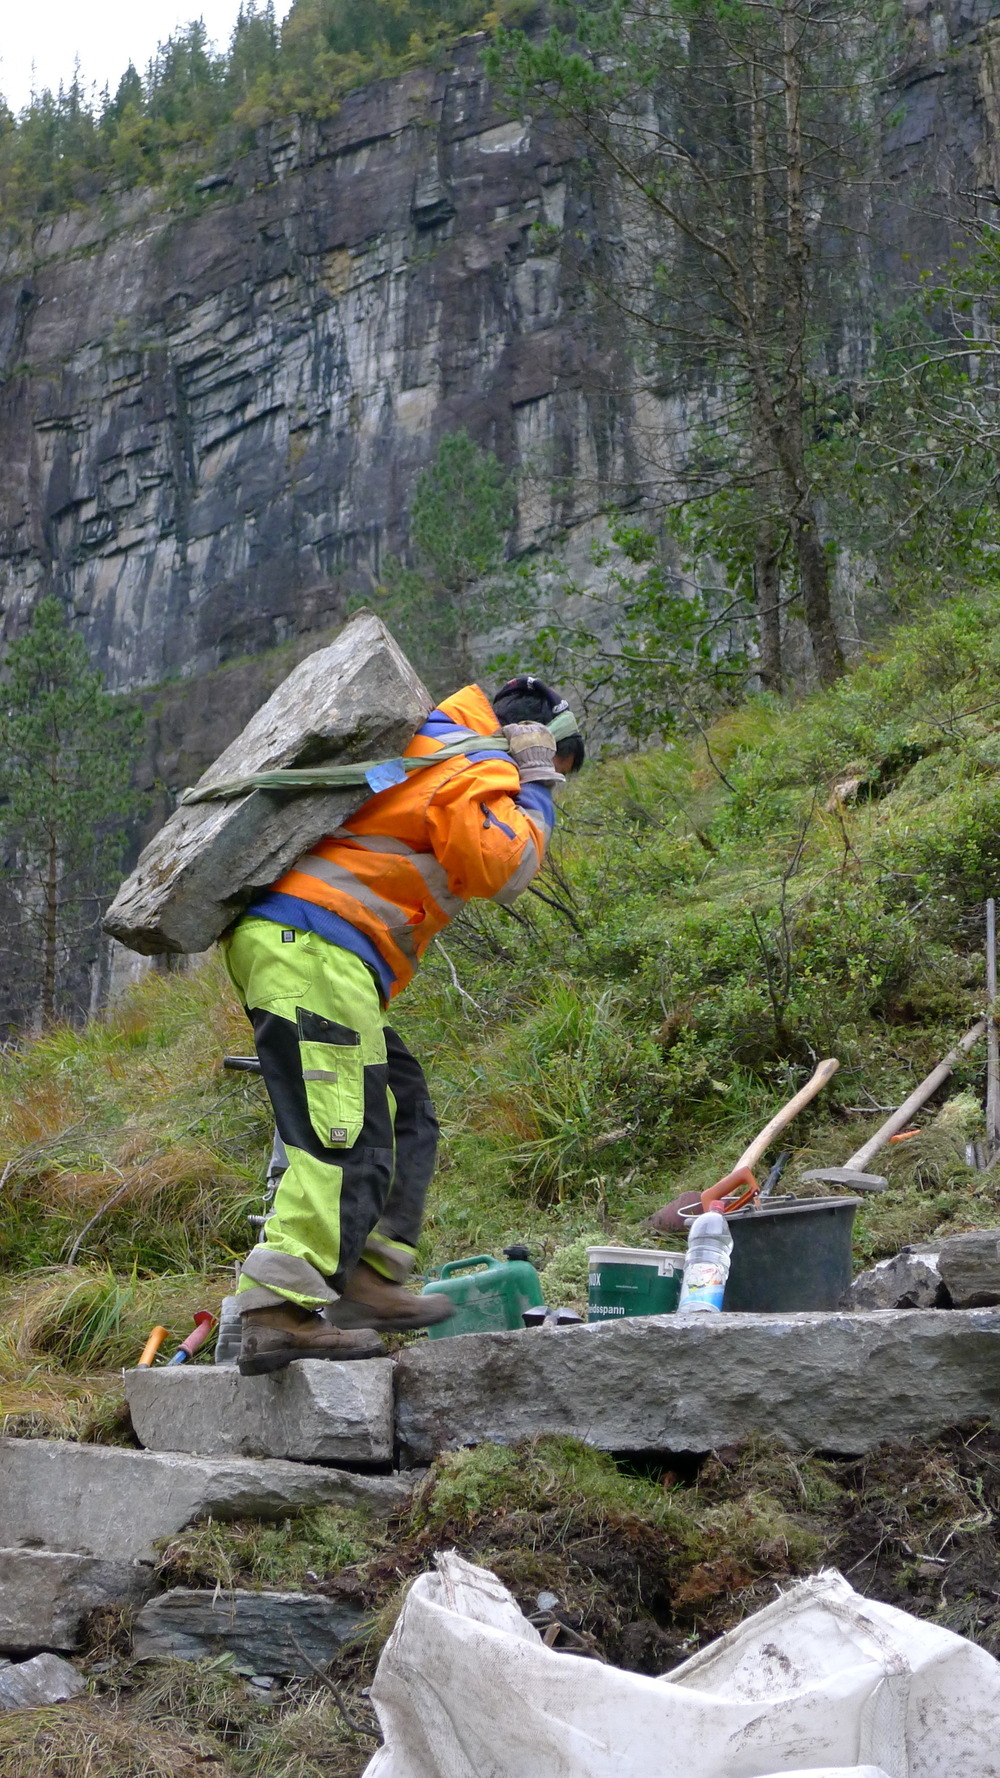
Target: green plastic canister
[485, 1302]
[632, 1281]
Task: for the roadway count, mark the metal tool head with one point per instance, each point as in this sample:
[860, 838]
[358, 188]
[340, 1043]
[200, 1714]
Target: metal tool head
[669, 1220]
[861, 1182]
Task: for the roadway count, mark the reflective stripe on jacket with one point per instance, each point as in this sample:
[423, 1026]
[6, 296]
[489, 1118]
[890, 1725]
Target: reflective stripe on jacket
[403, 865]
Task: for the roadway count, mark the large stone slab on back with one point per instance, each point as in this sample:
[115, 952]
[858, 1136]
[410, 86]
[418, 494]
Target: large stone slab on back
[834, 1382]
[970, 1267]
[357, 699]
[47, 1595]
[264, 1632]
[313, 1410]
[105, 1501]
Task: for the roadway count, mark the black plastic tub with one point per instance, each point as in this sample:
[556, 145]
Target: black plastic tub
[794, 1253]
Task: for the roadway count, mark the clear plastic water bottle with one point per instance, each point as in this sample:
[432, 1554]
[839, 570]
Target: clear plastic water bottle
[706, 1267]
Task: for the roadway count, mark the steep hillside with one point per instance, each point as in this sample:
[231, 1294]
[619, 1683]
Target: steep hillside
[806, 882]
[799, 882]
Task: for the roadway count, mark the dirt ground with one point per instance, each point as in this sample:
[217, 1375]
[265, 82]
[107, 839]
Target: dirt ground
[632, 1564]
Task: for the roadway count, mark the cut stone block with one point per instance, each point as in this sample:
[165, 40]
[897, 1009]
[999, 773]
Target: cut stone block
[313, 1410]
[259, 1630]
[970, 1267]
[831, 1382]
[909, 1280]
[45, 1679]
[106, 1501]
[46, 1595]
[358, 699]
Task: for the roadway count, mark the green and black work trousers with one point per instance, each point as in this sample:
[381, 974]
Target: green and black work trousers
[352, 1108]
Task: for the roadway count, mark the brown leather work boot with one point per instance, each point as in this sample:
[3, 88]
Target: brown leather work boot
[272, 1338]
[369, 1300]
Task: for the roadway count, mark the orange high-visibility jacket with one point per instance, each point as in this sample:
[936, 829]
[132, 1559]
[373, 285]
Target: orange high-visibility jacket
[403, 865]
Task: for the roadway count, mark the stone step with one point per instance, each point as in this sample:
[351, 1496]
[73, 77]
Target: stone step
[831, 1382]
[264, 1632]
[101, 1500]
[47, 1595]
[314, 1411]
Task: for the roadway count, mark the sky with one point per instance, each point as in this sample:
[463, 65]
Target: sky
[41, 39]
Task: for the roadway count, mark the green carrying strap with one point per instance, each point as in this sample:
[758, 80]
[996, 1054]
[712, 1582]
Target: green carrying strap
[378, 774]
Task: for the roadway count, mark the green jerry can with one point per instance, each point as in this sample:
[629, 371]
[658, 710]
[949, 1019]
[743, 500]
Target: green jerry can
[489, 1301]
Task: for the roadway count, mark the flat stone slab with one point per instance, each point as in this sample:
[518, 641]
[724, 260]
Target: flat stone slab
[832, 1382]
[260, 1630]
[109, 1502]
[47, 1595]
[314, 1410]
[45, 1679]
[358, 699]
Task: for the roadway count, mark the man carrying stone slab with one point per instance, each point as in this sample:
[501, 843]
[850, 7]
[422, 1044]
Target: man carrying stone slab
[316, 960]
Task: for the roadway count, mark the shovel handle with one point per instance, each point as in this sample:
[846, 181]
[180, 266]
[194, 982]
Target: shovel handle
[718, 1196]
[823, 1073]
[858, 1161]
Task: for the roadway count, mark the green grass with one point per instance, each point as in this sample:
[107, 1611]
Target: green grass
[590, 1063]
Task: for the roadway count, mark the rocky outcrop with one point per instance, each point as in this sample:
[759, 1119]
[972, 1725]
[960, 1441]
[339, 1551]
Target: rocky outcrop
[45, 1679]
[909, 1280]
[46, 1596]
[970, 1267]
[211, 420]
[211, 423]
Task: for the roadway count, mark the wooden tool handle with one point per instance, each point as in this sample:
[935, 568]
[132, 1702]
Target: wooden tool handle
[823, 1073]
[899, 1119]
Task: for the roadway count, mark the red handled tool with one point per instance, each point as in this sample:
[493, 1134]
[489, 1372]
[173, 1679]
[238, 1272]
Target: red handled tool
[203, 1325]
[740, 1186]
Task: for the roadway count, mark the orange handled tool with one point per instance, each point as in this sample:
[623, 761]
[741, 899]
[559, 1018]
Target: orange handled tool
[676, 1216]
[151, 1348]
[726, 1194]
[718, 1196]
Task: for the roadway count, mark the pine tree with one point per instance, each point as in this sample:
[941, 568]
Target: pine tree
[67, 749]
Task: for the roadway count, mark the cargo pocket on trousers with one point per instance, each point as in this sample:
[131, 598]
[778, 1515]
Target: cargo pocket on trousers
[334, 1077]
[378, 1165]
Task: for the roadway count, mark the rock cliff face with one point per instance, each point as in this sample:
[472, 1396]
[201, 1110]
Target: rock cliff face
[210, 423]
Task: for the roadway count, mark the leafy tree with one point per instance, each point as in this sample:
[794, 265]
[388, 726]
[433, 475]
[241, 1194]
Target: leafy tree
[67, 749]
[462, 511]
[733, 140]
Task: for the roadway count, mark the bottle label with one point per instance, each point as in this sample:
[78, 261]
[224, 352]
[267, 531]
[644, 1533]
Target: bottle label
[704, 1286]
